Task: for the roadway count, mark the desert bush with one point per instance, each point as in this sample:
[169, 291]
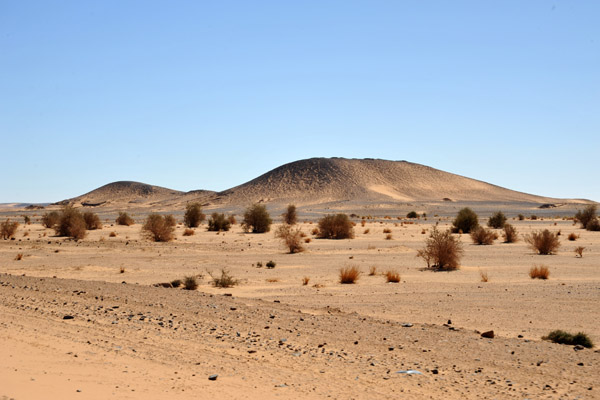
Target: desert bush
[593, 225]
[572, 237]
[305, 280]
[8, 229]
[257, 219]
[412, 214]
[225, 280]
[563, 337]
[27, 219]
[465, 221]
[19, 257]
[392, 276]
[481, 235]
[289, 216]
[533, 217]
[176, 283]
[389, 236]
[49, 220]
[349, 274]
[291, 237]
[387, 230]
[218, 222]
[188, 232]
[579, 251]
[190, 283]
[544, 242]
[112, 234]
[71, 224]
[336, 226]
[270, 264]
[521, 217]
[539, 272]
[586, 216]
[124, 219]
[510, 234]
[159, 228]
[193, 216]
[92, 221]
[497, 220]
[442, 251]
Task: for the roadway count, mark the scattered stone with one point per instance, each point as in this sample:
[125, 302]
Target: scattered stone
[578, 347]
[434, 371]
[407, 325]
[488, 334]
[68, 317]
[213, 377]
[409, 372]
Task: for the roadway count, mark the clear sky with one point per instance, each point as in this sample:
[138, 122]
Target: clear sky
[208, 95]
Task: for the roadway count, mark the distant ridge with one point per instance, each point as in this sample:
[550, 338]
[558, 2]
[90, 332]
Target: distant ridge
[320, 181]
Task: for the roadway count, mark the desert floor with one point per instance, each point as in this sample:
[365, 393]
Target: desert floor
[273, 337]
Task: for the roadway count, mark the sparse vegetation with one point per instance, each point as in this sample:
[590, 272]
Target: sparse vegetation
[372, 270]
[19, 257]
[392, 276]
[521, 217]
[593, 225]
[70, 224]
[190, 283]
[389, 236]
[336, 226]
[112, 234]
[412, 214]
[27, 219]
[159, 228]
[292, 238]
[49, 220]
[305, 280]
[124, 219]
[218, 222]
[122, 270]
[539, 272]
[481, 235]
[497, 220]
[587, 216]
[349, 275]
[226, 280]
[510, 234]
[8, 229]
[188, 232]
[442, 251]
[257, 219]
[579, 251]
[544, 242]
[193, 216]
[289, 216]
[387, 230]
[563, 337]
[92, 221]
[466, 220]
[484, 276]
[572, 237]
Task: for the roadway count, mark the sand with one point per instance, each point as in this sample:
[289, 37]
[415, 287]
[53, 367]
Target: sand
[272, 337]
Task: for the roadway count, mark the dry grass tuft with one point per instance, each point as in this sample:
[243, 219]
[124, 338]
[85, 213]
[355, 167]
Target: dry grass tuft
[572, 237]
[226, 280]
[392, 276]
[539, 272]
[349, 275]
[305, 280]
[372, 270]
[544, 242]
[272, 280]
[579, 251]
[388, 236]
[19, 257]
[484, 276]
[190, 283]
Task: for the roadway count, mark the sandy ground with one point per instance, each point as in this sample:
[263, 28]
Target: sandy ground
[276, 338]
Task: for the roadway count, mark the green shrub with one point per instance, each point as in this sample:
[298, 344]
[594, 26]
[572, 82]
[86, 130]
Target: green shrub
[218, 222]
[497, 220]
[257, 219]
[159, 228]
[124, 219]
[49, 220]
[465, 221]
[8, 229]
[544, 242]
[442, 251]
[193, 216]
[289, 216]
[92, 221]
[412, 214]
[336, 226]
[71, 224]
[563, 337]
[586, 216]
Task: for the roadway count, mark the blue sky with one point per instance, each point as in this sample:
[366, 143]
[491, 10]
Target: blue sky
[208, 95]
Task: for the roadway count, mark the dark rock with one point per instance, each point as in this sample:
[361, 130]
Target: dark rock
[68, 317]
[488, 334]
[434, 371]
[213, 377]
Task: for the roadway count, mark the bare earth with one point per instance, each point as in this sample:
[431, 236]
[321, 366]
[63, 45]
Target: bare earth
[272, 337]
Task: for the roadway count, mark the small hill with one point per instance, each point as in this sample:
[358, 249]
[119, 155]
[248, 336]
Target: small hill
[124, 192]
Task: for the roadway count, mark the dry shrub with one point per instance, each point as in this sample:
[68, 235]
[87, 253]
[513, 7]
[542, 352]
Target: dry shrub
[372, 270]
[193, 216]
[291, 237]
[593, 225]
[112, 234]
[71, 224]
[124, 219]
[388, 236]
[19, 257]
[392, 276]
[510, 234]
[307, 240]
[521, 217]
[481, 235]
[289, 216]
[49, 220]
[188, 232]
[497, 220]
[387, 230]
[225, 280]
[218, 222]
[8, 229]
[257, 219]
[305, 280]
[26, 233]
[579, 251]
[190, 283]
[586, 216]
[572, 237]
[539, 272]
[484, 276]
[349, 274]
[336, 226]
[544, 242]
[423, 231]
[27, 219]
[442, 251]
[92, 221]
[315, 231]
[563, 337]
[465, 221]
[533, 217]
[272, 280]
[159, 228]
